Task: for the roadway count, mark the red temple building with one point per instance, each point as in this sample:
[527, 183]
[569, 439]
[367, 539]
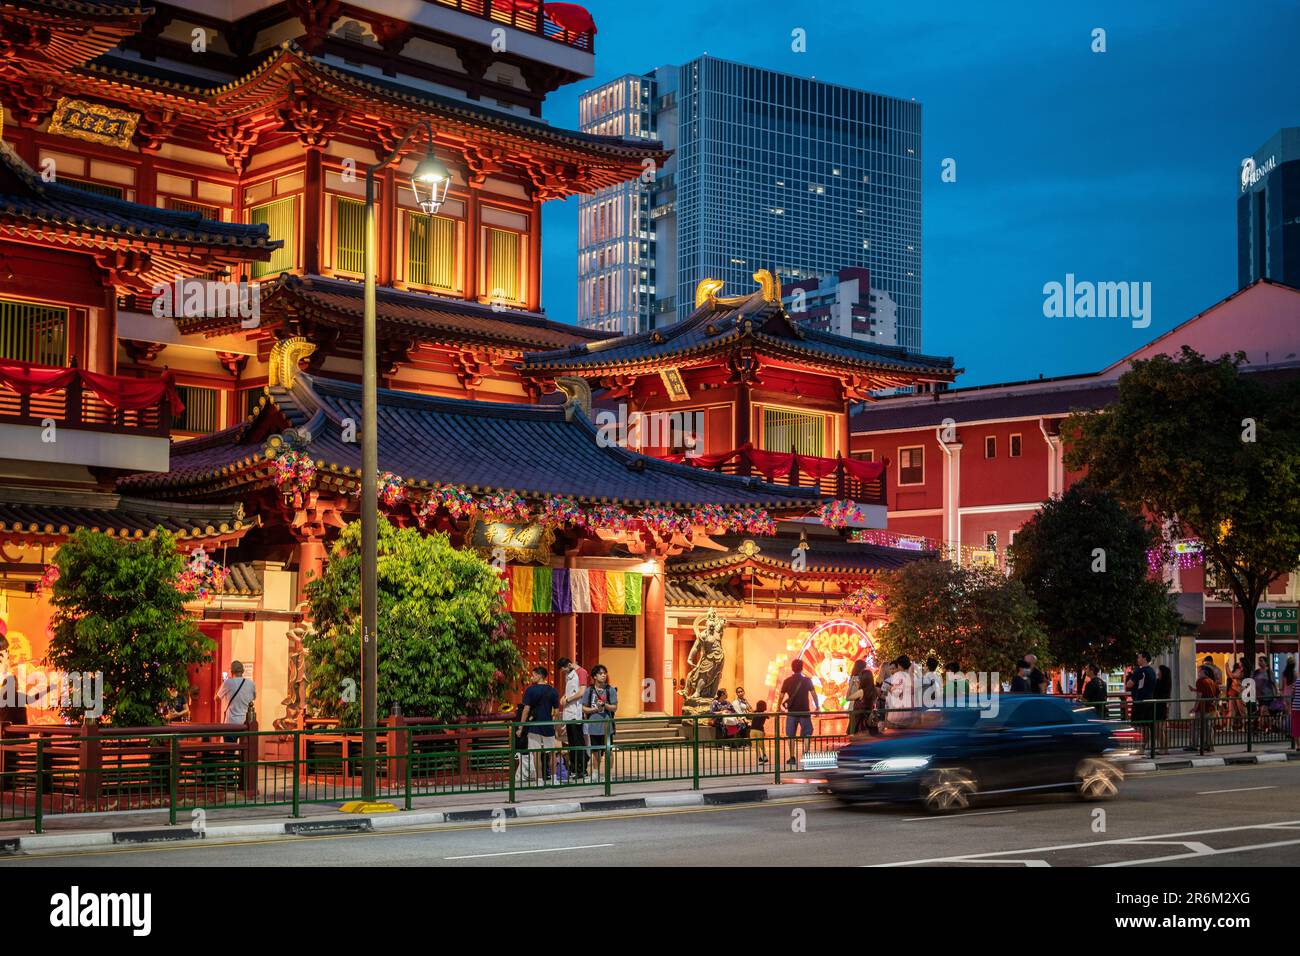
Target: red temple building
[157, 155]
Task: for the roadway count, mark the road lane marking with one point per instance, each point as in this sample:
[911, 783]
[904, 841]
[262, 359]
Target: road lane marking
[956, 816]
[1124, 841]
[551, 849]
[1208, 851]
[1206, 793]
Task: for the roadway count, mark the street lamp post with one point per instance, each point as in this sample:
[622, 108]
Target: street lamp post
[429, 183]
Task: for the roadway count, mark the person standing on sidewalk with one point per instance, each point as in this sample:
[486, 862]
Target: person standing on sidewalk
[237, 694]
[1206, 690]
[1295, 710]
[798, 698]
[571, 713]
[758, 729]
[540, 704]
[1094, 691]
[1141, 686]
[599, 705]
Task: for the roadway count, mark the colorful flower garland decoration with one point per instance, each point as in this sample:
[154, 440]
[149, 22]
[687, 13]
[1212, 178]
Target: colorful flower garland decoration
[46, 583]
[840, 514]
[562, 512]
[294, 472]
[860, 601]
[392, 489]
[609, 518]
[712, 518]
[201, 577]
[664, 522]
[504, 507]
[454, 498]
[754, 521]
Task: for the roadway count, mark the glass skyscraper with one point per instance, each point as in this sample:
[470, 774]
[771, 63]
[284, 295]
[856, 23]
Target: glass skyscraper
[1268, 212]
[768, 171]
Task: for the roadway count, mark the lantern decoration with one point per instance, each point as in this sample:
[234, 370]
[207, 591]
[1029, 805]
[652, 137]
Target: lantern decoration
[505, 507]
[710, 517]
[47, 580]
[454, 498]
[754, 521]
[664, 522]
[889, 539]
[202, 577]
[562, 512]
[860, 601]
[392, 490]
[840, 514]
[294, 471]
[609, 518]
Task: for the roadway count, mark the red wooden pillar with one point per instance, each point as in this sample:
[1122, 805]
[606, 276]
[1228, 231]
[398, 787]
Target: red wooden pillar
[655, 633]
[744, 420]
[471, 245]
[312, 210]
[311, 565]
[534, 298]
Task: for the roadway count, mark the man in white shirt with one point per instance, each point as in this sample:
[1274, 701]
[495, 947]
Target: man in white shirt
[236, 696]
[571, 712]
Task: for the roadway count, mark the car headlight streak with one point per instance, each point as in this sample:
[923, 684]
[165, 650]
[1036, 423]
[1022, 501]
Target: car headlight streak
[899, 764]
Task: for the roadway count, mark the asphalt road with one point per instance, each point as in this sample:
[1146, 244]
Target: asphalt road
[1246, 815]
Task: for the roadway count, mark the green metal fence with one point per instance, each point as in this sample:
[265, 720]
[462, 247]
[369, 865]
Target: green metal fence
[50, 771]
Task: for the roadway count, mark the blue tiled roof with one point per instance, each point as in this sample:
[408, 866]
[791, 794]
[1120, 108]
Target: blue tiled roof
[532, 450]
[27, 197]
[714, 327]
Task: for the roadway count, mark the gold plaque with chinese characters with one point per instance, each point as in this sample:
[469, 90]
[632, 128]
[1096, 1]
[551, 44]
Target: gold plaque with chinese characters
[522, 543]
[93, 122]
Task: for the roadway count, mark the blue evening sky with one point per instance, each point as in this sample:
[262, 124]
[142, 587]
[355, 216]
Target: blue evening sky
[1118, 166]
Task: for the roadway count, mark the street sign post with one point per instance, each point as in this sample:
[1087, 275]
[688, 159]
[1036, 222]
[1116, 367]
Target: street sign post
[1277, 620]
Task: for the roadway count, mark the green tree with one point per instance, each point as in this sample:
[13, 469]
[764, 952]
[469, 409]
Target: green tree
[1083, 560]
[976, 616]
[1207, 452]
[444, 633]
[117, 611]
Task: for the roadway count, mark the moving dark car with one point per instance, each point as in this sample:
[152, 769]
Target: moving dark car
[953, 755]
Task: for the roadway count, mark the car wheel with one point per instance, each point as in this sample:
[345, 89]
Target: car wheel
[947, 790]
[1098, 779]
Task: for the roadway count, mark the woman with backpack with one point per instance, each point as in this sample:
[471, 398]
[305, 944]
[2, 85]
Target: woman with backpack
[599, 704]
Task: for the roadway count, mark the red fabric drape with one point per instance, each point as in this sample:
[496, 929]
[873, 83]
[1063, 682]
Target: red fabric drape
[713, 461]
[129, 393]
[816, 468]
[27, 379]
[770, 463]
[134, 393]
[571, 17]
[864, 470]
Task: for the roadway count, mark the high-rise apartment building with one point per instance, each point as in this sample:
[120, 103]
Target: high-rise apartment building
[768, 171]
[1268, 212]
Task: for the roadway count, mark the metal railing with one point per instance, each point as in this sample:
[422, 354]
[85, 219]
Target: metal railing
[56, 770]
[1200, 725]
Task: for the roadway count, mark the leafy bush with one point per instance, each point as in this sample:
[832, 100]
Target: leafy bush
[444, 634]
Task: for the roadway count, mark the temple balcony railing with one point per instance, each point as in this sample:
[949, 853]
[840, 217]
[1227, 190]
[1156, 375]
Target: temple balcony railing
[531, 16]
[69, 416]
[862, 482]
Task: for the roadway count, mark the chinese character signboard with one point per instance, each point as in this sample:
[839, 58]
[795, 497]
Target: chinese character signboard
[1277, 621]
[93, 122]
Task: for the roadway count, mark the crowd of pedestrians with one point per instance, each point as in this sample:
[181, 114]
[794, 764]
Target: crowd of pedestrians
[584, 715]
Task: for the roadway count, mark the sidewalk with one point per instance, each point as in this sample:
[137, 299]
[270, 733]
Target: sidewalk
[81, 831]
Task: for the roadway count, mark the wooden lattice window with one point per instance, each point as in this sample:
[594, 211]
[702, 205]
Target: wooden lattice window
[431, 251]
[349, 235]
[202, 410]
[99, 189]
[784, 430]
[33, 333]
[279, 217]
[504, 264]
